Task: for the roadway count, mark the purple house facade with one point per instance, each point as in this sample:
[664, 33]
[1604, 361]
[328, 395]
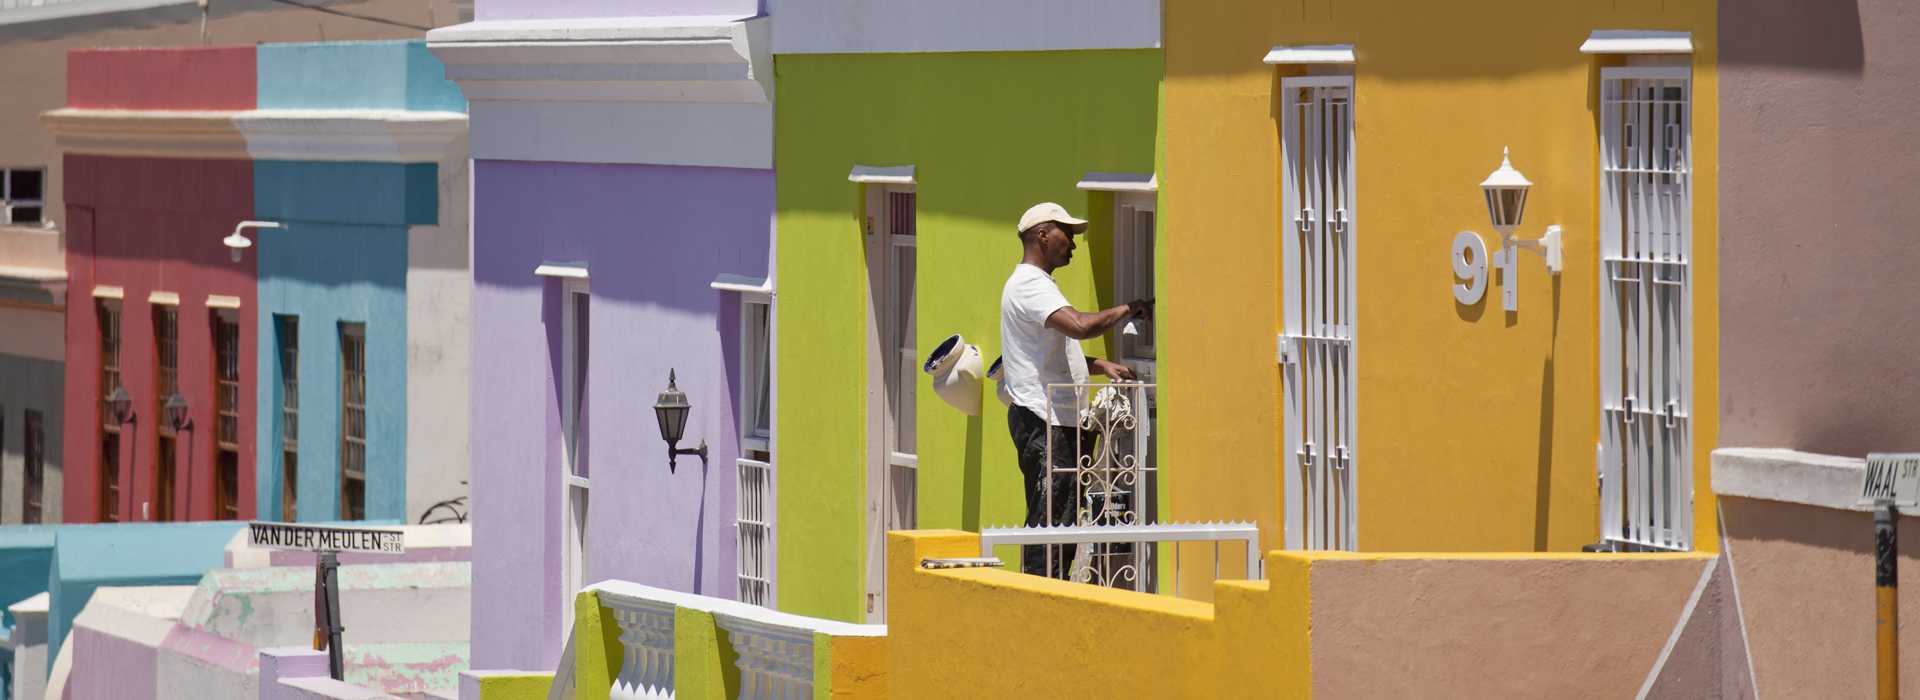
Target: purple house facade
[622, 219]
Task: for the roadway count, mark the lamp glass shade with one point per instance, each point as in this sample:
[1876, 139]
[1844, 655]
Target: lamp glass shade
[176, 408]
[671, 411]
[121, 403]
[1506, 192]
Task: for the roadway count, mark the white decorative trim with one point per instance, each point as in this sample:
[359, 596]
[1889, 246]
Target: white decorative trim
[1119, 182]
[882, 175]
[222, 301]
[150, 133]
[1621, 41]
[381, 136]
[680, 90]
[1789, 476]
[164, 298]
[565, 270]
[928, 26]
[759, 289]
[1321, 54]
[105, 291]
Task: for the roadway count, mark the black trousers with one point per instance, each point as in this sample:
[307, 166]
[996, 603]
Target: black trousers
[1029, 432]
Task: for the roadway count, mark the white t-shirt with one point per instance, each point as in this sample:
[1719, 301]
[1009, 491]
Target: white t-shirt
[1033, 355]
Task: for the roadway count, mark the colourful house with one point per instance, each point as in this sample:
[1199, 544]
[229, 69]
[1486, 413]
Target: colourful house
[910, 136]
[1371, 394]
[623, 192]
[344, 142]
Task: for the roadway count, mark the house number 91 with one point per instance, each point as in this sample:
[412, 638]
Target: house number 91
[1469, 266]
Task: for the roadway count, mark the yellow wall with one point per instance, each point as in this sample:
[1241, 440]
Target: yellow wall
[1477, 427]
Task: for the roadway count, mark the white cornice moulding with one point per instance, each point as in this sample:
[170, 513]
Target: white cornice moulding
[1118, 182]
[941, 26]
[634, 59]
[222, 301]
[153, 133]
[687, 90]
[104, 291]
[1324, 54]
[569, 270]
[380, 136]
[164, 298]
[1789, 476]
[1625, 41]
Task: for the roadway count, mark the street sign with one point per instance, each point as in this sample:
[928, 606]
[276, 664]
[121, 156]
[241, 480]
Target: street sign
[1891, 479]
[317, 538]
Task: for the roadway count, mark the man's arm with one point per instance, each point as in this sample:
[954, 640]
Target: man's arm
[1080, 325]
[1114, 371]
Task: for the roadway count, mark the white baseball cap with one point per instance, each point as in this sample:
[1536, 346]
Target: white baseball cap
[1048, 211]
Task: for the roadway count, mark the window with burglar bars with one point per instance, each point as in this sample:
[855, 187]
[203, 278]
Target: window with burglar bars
[34, 474]
[166, 350]
[1318, 297]
[107, 493]
[753, 523]
[226, 412]
[287, 330]
[1646, 340]
[353, 421]
[893, 462]
[22, 195]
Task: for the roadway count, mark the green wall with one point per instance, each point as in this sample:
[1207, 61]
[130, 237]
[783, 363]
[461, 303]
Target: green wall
[990, 134]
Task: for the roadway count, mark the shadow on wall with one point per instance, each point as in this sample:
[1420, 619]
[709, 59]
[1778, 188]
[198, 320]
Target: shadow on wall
[1822, 35]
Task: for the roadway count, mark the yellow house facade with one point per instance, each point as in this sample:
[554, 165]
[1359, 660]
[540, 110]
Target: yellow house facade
[1339, 362]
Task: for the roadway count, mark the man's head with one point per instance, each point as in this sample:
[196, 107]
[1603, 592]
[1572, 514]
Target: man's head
[1046, 233]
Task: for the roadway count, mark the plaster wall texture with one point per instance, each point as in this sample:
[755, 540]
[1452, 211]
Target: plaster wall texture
[88, 558]
[1477, 428]
[37, 79]
[980, 161]
[121, 630]
[586, 10]
[1818, 313]
[1806, 594]
[37, 333]
[343, 260]
[654, 238]
[929, 26]
[31, 384]
[439, 344]
[146, 225]
[29, 640]
[397, 75]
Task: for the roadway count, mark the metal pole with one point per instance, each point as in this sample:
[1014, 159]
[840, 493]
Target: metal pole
[1886, 586]
[328, 600]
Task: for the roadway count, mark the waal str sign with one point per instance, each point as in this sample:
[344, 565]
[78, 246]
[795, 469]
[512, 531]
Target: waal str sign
[319, 538]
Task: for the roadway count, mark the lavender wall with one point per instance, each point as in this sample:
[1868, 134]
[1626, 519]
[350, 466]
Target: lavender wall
[653, 238]
[554, 9]
[1818, 291]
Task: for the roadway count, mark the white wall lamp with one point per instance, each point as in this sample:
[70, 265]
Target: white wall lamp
[238, 241]
[1506, 192]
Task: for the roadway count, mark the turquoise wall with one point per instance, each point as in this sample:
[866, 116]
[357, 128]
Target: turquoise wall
[88, 557]
[355, 75]
[341, 259]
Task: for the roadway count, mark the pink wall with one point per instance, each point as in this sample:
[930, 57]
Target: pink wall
[578, 9]
[182, 78]
[146, 225]
[133, 664]
[1819, 319]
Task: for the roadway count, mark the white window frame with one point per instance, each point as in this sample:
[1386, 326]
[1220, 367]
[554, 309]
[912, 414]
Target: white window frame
[1645, 454]
[1132, 280]
[1319, 351]
[754, 493]
[890, 374]
[575, 489]
[7, 201]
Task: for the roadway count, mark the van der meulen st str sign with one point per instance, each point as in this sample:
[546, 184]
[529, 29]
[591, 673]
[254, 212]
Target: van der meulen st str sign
[316, 538]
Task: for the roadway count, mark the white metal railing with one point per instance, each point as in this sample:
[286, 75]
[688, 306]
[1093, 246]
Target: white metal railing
[1646, 346]
[774, 650]
[1137, 535]
[1110, 478]
[753, 528]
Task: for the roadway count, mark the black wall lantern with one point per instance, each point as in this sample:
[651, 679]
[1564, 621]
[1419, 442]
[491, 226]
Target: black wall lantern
[121, 403]
[176, 408]
[671, 410]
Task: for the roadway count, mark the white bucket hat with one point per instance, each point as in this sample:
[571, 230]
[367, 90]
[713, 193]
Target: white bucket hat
[1048, 211]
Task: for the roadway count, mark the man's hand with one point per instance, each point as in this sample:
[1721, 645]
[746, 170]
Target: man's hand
[1114, 371]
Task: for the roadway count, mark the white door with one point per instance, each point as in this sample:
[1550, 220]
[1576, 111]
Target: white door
[1646, 340]
[892, 368]
[1317, 348]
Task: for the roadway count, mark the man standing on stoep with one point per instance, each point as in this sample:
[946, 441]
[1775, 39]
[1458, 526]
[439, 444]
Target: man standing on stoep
[1040, 334]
